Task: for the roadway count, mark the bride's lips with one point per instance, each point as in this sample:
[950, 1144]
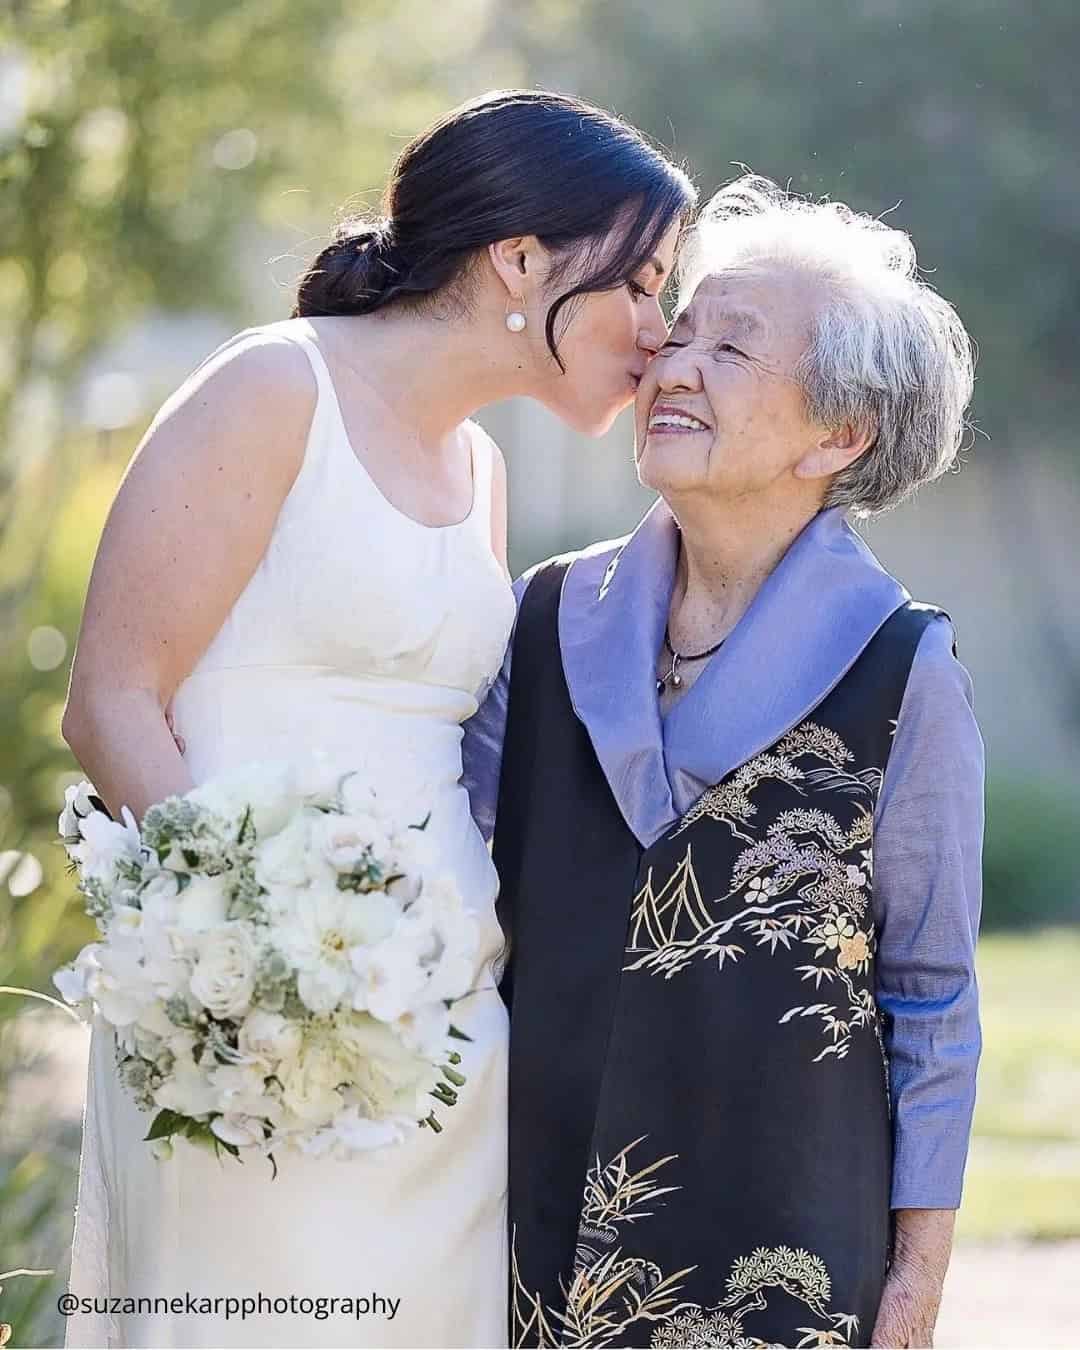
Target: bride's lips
[668, 419]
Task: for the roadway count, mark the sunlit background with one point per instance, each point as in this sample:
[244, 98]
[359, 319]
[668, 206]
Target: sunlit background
[166, 166]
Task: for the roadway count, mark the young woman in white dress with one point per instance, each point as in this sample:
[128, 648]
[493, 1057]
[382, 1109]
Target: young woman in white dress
[308, 551]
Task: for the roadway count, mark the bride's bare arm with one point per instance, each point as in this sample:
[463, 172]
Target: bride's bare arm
[190, 522]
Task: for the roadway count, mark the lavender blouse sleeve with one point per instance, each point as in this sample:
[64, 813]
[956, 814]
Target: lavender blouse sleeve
[927, 898]
[482, 746]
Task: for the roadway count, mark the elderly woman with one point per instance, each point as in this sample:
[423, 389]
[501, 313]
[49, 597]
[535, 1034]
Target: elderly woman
[739, 829]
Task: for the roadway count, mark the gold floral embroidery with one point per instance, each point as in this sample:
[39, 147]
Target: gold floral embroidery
[801, 878]
[611, 1290]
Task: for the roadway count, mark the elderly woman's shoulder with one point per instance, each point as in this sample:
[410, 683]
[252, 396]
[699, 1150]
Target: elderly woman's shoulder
[937, 716]
[598, 557]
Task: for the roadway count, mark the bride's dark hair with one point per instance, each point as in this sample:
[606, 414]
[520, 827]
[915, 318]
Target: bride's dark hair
[515, 162]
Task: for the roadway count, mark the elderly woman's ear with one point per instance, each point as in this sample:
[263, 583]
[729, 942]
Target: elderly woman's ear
[836, 451]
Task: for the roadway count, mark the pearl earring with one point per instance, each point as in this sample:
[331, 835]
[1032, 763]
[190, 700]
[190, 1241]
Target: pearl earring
[515, 318]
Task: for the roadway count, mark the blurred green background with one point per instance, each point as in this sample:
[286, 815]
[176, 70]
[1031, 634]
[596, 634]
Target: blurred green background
[167, 165]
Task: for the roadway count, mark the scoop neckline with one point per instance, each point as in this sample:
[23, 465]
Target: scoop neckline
[347, 439]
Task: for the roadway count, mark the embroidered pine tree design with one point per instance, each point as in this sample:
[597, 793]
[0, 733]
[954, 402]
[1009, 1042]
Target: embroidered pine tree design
[803, 879]
[611, 1290]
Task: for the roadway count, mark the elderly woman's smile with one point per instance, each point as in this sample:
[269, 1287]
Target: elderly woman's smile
[721, 409]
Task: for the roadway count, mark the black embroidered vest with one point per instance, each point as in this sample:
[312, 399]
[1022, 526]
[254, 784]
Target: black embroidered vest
[700, 1145]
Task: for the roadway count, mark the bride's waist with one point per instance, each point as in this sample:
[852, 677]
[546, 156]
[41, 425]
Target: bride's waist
[231, 714]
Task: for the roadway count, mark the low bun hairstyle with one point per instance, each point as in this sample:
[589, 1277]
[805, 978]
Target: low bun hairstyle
[511, 163]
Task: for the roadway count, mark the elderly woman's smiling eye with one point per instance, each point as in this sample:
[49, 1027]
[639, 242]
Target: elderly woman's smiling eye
[728, 349]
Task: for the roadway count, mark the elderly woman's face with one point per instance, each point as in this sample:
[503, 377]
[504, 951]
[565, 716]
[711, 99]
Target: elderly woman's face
[719, 409]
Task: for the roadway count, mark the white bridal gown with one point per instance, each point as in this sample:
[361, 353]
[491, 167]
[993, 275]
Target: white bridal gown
[371, 636]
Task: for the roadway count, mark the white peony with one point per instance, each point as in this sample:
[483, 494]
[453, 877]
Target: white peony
[309, 1085]
[387, 1078]
[268, 1038]
[223, 979]
[317, 938]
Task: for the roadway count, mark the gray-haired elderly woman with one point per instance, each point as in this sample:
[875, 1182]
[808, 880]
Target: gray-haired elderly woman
[739, 829]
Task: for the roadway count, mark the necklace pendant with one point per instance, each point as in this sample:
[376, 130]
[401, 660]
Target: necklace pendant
[676, 680]
[660, 687]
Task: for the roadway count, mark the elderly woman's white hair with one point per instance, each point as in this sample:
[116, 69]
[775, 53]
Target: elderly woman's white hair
[886, 352]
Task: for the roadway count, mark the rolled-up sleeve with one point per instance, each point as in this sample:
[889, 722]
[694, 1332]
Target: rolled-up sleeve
[482, 745]
[927, 899]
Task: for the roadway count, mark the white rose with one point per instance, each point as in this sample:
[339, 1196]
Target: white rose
[224, 976]
[269, 1038]
[348, 839]
[187, 1090]
[202, 904]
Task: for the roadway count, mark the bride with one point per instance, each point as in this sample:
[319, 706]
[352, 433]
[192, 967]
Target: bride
[309, 551]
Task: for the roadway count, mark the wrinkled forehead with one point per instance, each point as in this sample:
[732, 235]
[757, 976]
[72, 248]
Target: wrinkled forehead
[750, 305]
[723, 304]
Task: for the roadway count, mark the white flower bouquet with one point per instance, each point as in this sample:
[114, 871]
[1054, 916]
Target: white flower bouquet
[278, 958]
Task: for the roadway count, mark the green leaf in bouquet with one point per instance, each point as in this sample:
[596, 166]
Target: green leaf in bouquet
[453, 1077]
[432, 1122]
[164, 1125]
[456, 1033]
[248, 822]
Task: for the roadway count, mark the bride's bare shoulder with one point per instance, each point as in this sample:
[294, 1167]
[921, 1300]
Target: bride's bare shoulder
[269, 361]
[253, 398]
